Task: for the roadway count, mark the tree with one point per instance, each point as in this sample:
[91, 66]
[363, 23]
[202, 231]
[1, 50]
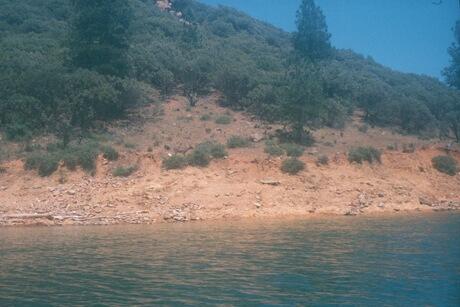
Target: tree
[452, 73]
[99, 37]
[312, 39]
[304, 101]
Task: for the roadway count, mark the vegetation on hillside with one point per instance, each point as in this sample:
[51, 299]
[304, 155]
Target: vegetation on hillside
[66, 64]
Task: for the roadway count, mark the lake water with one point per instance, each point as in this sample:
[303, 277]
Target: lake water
[398, 261]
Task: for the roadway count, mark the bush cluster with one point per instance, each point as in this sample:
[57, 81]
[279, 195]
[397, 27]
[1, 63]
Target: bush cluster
[446, 165]
[293, 150]
[236, 141]
[122, 171]
[47, 162]
[292, 166]
[322, 160]
[223, 120]
[361, 154]
[201, 156]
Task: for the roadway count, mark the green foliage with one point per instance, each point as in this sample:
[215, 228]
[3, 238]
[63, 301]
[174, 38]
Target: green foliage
[213, 149]
[223, 120]
[292, 166]
[127, 171]
[304, 100]
[199, 157]
[446, 164]
[205, 117]
[44, 42]
[109, 153]
[273, 149]
[322, 160]
[293, 150]
[361, 154]
[312, 37]
[99, 37]
[452, 73]
[45, 164]
[236, 141]
[174, 162]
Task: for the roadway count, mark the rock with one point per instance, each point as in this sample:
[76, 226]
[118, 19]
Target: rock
[257, 137]
[71, 192]
[425, 201]
[258, 205]
[381, 195]
[270, 181]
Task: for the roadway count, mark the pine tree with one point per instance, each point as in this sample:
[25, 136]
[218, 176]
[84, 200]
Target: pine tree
[99, 37]
[452, 73]
[312, 39]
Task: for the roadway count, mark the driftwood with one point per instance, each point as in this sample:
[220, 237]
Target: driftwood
[48, 216]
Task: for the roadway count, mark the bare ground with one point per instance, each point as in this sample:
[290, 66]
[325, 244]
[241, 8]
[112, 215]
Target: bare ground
[246, 184]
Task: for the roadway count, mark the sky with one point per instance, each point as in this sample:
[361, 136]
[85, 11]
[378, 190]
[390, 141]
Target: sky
[405, 35]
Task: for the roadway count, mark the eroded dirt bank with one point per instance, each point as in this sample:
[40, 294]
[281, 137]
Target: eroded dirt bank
[246, 184]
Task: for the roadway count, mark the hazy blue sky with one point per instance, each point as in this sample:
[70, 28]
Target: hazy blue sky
[407, 35]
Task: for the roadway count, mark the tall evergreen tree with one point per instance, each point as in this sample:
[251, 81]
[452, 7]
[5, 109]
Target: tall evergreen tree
[452, 73]
[312, 39]
[99, 38]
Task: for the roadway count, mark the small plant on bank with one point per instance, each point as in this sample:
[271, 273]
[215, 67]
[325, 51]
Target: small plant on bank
[199, 157]
[361, 154]
[292, 166]
[2, 170]
[409, 148]
[87, 155]
[109, 153]
[205, 117]
[238, 142]
[125, 171]
[363, 128]
[273, 149]
[293, 150]
[446, 165]
[48, 165]
[130, 145]
[322, 160]
[392, 146]
[213, 149]
[223, 120]
[174, 162]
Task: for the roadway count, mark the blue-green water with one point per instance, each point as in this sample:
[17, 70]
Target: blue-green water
[399, 261]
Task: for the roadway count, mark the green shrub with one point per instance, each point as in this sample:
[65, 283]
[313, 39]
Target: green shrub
[274, 150]
[33, 161]
[292, 166]
[87, 155]
[446, 165]
[174, 162]
[71, 160]
[293, 150]
[223, 120]
[130, 145]
[409, 148]
[363, 128]
[205, 117]
[361, 154]
[48, 165]
[125, 171]
[109, 153]
[199, 157]
[322, 160]
[238, 142]
[213, 149]
[392, 146]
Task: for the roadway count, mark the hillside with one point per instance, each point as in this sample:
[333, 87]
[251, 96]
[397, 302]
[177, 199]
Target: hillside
[197, 128]
[218, 48]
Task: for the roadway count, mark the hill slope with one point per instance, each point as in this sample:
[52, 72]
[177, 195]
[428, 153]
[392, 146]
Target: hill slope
[221, 47]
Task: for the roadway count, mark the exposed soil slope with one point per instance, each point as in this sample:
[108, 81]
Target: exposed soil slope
[246, 184]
